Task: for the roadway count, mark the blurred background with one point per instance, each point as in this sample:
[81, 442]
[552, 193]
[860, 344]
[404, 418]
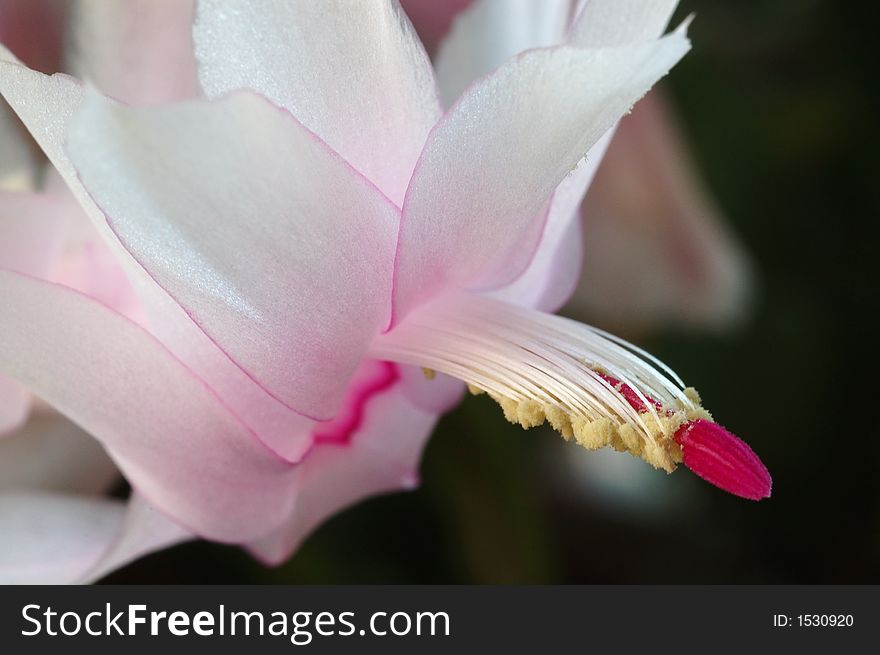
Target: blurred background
[776, 103]
[774, 106]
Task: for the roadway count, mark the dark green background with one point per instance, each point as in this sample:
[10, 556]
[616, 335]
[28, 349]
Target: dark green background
[778, 101]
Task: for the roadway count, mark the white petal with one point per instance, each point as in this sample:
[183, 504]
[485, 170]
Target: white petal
[297, 282]
[65, 539]
[555, 268]
[46, 105]
[471, 216]
[168, 432]
[53, 539]
[613, 23]
[489, 32]
[352, 71]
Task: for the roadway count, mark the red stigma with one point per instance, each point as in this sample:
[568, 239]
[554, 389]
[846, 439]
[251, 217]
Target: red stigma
[714, 454]
[723, 459]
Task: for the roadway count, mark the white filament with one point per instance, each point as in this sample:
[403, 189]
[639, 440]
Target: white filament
[522, 354]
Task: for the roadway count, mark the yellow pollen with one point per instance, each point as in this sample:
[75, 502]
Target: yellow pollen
[429, 373]
[476, 391]
[660, 449]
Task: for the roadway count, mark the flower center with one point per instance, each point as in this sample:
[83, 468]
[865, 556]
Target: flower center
[592, 387]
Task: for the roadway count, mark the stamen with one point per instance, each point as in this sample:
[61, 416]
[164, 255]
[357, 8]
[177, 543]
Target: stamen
[588, 385]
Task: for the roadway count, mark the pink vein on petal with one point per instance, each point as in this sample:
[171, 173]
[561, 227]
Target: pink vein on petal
[340, 430]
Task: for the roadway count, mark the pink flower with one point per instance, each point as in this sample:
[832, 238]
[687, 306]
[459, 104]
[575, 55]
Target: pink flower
[304, 240]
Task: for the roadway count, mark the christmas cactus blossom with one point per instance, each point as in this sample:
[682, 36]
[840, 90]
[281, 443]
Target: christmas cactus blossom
[322, 257]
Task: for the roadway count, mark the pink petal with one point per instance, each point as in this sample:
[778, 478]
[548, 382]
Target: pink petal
[31, 232]
[471, 215]
[296, 284]
[139, 51]
[86, 263]
[353, 72]
[30, 239]
[166, 430]
[46, 106]
[50, 453]
[176, 443]
[66, 539]
[657, 250]
[381, 456]
[489, 32]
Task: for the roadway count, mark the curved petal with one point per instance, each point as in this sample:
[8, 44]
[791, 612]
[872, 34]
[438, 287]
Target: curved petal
[46, 105]
[489, 32]
[167, 431]
[64, 539]
[296, 284]
[492, 163]
[614, 23]
[554, 271]
[383, 455]
[139, 51]
[352, 71]
[49, 453]
[176, 444]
